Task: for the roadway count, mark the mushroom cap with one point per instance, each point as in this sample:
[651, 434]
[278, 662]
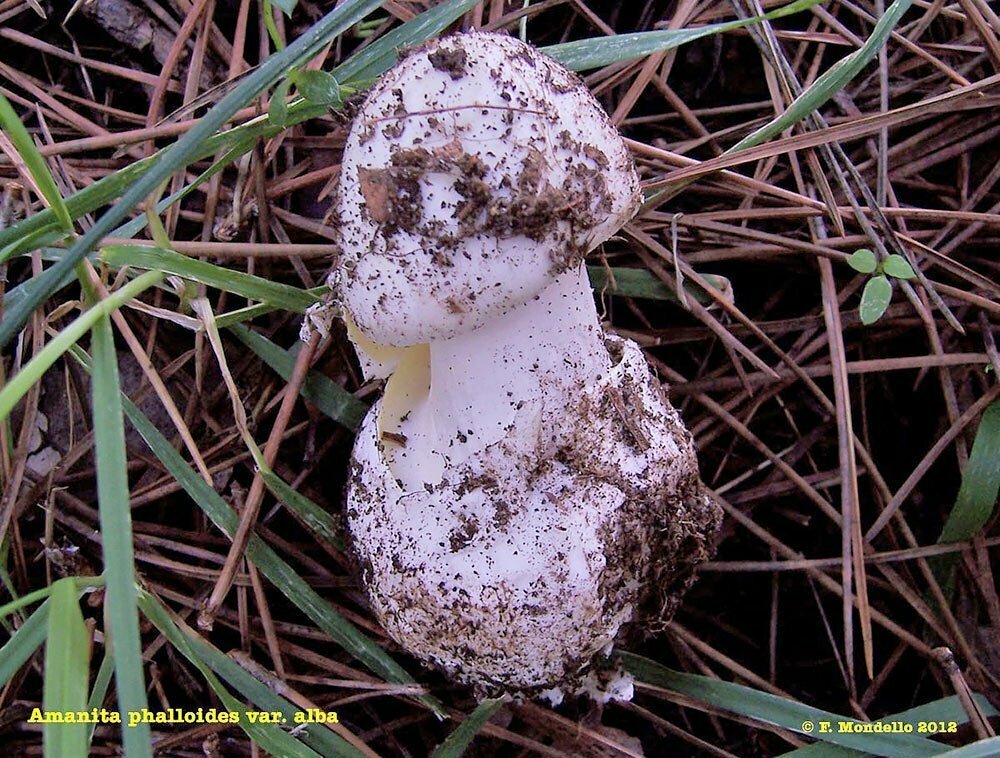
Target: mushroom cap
[476, 170]
[521, 568]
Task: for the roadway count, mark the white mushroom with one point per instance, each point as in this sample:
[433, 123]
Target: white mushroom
[523, 493]
[476, 170]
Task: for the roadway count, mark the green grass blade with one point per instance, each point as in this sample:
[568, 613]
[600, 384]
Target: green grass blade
[18, 238]
[23, 602]
[23, 643]
[983, 749]
[277, 571]
[67, 670]
[44, 280]
[6, 580]
[240, 315]
[246, 285]
[132, 227]
[586, 54]
[182, 152]
[270, 737]
[381, 55]
[286, 6]
[116, 538]
[946, 709]
[642, 283]
[332, 399]
[29, 233]
[830, 82]
[318, 737]
[22, 236]
[977, 495]
[31, 241]
[82, 583]
[19, 384]
[37, 167]
[772, 709]
[321, 522]
[460, 739]
[100, 689]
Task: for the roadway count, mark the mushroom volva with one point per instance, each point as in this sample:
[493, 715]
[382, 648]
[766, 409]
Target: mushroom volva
[523, 493]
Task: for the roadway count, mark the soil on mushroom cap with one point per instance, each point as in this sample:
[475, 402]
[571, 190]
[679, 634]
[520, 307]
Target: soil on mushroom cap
[525, 204]
[451, 60]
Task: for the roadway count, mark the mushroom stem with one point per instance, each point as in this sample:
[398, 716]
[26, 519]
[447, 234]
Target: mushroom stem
[541, 350]
[496, 382]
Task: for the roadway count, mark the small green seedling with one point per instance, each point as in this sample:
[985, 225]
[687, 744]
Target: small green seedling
[878, 291]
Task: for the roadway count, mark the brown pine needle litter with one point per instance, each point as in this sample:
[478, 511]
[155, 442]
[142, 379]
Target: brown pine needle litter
[173, 458]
